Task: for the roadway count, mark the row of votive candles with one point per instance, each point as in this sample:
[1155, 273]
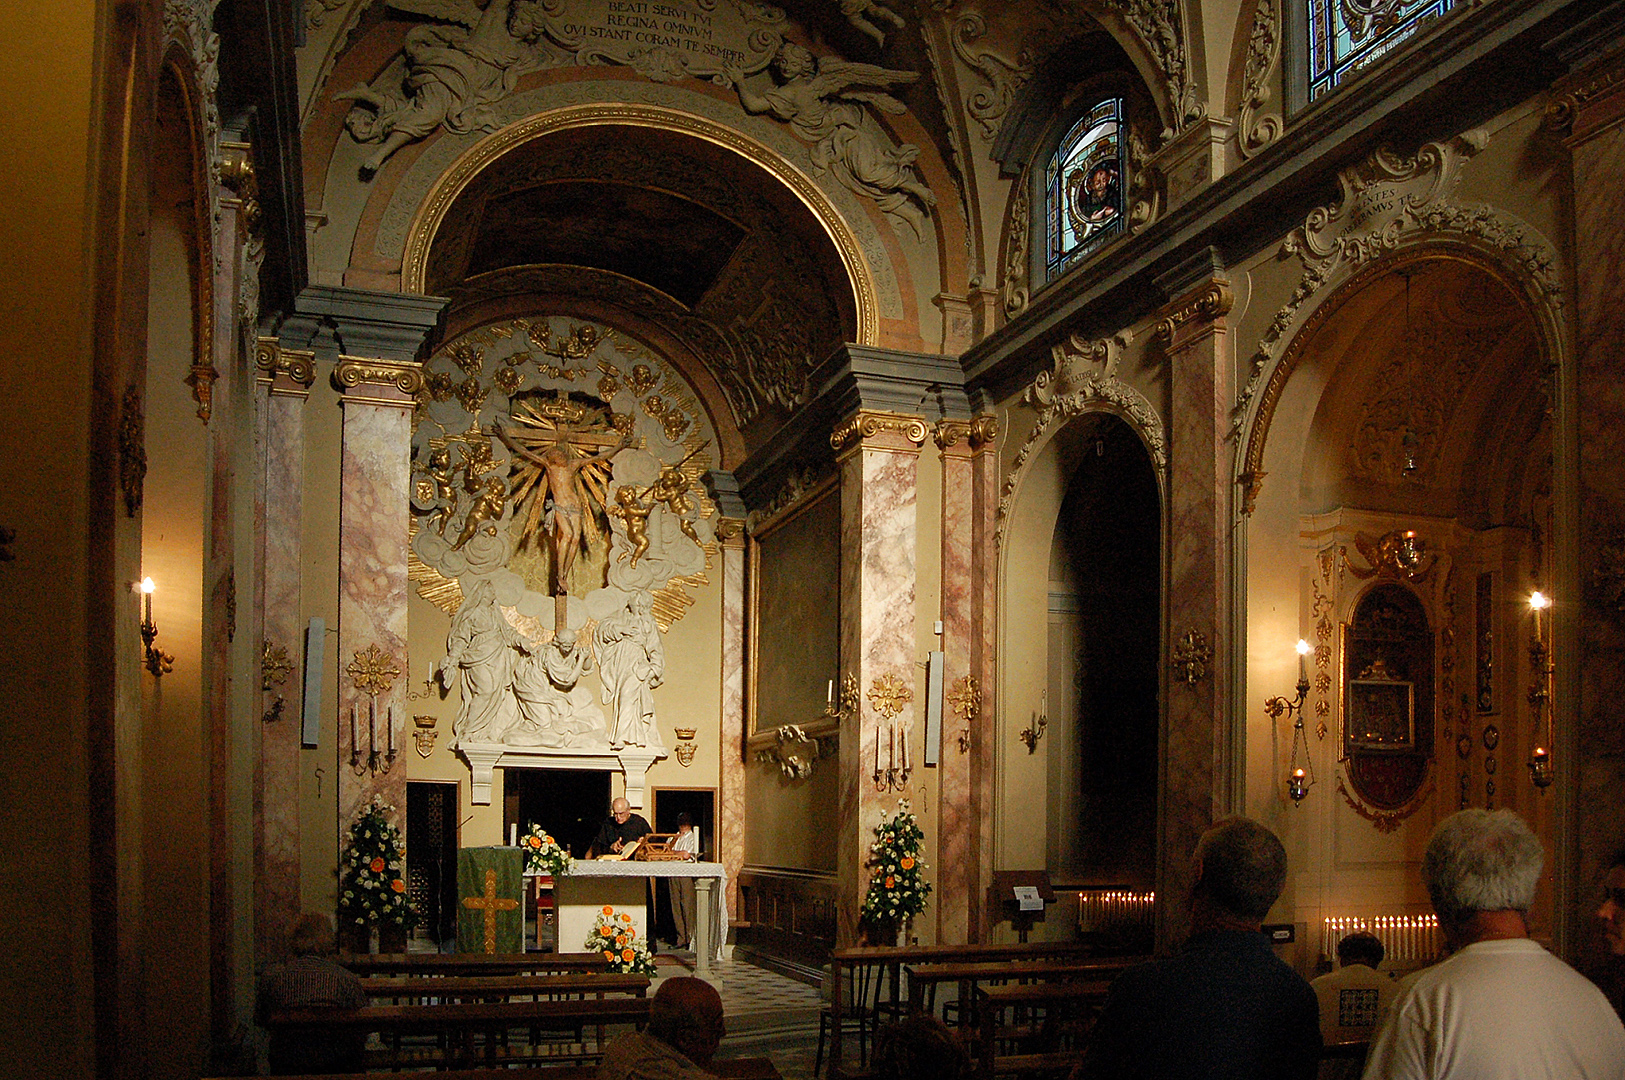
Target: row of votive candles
[1099, 908]
[1403, 937]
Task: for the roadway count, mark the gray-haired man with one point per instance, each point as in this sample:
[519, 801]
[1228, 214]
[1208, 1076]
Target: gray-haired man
[1501, 1006]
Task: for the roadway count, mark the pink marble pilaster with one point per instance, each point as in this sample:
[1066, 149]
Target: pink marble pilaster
[879, 466]
[958, 832]
[731, 843]
[983, 659]
[284, 378]
[1196, 764]
[373, 512]
[1592, 103]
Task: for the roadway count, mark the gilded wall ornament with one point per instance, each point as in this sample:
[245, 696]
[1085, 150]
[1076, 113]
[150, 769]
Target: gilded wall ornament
[866, 425]
[351, 372]
[372, 670]
[964, 700]
[1191, 658]
[1385, 203]
[685, 748]
[424, 734]
[274, 665]
[271, 360]
[1398, 554]
[889, 694]
[1386, 821]
[132, 450]
[1082, 379]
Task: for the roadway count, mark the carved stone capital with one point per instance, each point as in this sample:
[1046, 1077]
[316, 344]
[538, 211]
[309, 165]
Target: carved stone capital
[237, 174]
[277, 367]
[1205, 304]
[948, 433]
[1589, 103]
[353, 373]
[868, 425]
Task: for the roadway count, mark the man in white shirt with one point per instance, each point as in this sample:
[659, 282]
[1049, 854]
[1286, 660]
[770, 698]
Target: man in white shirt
[682, 889]
[1501, 1006]
[1355, 996]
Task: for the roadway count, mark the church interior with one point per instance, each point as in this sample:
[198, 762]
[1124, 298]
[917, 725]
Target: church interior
[1070, 422]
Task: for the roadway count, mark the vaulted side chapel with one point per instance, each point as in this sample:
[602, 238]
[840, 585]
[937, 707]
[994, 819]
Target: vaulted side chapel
[1077, 420]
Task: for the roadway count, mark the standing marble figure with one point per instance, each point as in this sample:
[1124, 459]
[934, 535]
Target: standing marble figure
[481, 649]
[631, 663]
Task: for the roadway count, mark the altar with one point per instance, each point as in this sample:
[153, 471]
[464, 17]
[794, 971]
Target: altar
[580, 896]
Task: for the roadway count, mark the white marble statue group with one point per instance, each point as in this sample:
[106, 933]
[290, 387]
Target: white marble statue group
[525, 693]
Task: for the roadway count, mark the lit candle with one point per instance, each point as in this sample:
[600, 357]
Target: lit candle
[1303, 670]
[147, 589]
[829, 697]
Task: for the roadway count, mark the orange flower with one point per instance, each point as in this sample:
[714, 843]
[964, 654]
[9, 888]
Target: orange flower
[890, 881]
[608, 955]
[620, 939]
[536, 841]
[378, 866]
[398, 885]
[627, 955]
[907, 863]
[608, 910]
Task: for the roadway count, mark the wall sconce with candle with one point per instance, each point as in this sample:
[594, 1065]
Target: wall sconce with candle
[373, 672]
[1300, 769]
[158, 662]
[1034, 731]
[1540, 662]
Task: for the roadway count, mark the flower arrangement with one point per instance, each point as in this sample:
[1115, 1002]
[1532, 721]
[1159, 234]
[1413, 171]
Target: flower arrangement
[543, 854]
[372, 874]
[897, 889]
[614, 935]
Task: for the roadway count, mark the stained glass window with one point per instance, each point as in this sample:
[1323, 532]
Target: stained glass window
[1084, 186]
[1346, 35]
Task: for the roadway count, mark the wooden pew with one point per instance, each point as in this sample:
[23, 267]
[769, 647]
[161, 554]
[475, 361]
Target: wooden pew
[466, 1034]
[408, 989]
[1054, 1042]
[923, 979]
[894, 957]
[420, 964]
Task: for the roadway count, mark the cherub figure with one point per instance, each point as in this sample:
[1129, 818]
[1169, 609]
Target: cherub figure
[823, 102]
[445, 488]
[634, 515]
[488, 507]
[454, 73]
[857, 12]
[672, 489]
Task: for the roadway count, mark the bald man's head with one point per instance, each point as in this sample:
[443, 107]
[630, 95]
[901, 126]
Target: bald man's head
[686, 1013]
[621, 810]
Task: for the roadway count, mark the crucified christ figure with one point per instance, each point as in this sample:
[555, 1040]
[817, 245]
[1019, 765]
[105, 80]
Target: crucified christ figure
[560, 471]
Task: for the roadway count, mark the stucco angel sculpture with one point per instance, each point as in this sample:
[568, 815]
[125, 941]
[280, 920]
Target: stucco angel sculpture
[823, 102]
[454, 73]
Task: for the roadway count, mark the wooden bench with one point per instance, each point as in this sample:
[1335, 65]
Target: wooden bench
[893, 958]
[406, 990]
[1047, 1030]
[466, 1034]
[421, 964]
[923, 979]
[757, 1068]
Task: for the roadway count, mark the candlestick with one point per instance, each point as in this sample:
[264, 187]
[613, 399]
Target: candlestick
[372, 732]
[353, 747]
[389, 731]
[829, 696]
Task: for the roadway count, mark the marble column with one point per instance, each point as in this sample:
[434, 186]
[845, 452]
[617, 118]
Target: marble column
[374, 508]
[285, 376]
[878, 456]
[1197, 764]
[1590, 751]
[959, 807]
[730, 532]
[983, 657]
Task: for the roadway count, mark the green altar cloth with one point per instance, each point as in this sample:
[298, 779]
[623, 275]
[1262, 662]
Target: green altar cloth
[490, 900]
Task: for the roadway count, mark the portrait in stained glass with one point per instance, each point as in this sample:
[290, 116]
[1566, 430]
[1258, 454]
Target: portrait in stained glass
[1084, 185]
[1346, 35]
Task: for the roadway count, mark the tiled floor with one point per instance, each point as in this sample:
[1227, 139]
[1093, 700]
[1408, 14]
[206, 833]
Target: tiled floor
[767, 1014]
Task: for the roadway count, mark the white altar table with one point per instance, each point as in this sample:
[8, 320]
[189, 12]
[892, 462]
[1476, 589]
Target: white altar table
[581, 894]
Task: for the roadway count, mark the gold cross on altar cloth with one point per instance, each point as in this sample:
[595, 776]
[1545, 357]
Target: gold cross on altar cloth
[490, 904]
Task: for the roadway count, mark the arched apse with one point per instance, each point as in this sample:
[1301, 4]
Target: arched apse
[1409, 445]
[666, 219]
[1081, 649]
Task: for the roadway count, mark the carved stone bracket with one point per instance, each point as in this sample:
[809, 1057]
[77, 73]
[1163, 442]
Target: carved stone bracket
[867, 425]
[483, 758]
[1083, 379]
[1255, 132]
[1386, 203]
[1004, 78]
[1207, 303]
[795, 751]
[295, 365]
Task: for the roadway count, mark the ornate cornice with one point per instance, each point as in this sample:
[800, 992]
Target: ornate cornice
[1206, 303]
[866, 425]
[271, 360]
[1565, 110]
[352, 371]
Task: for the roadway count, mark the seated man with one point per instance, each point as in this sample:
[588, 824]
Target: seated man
[312, 981]
[1355, 996]
[622, 827]
[919, 1047]
[1225, 1007]
[1500, 1006]
[685, 1028]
